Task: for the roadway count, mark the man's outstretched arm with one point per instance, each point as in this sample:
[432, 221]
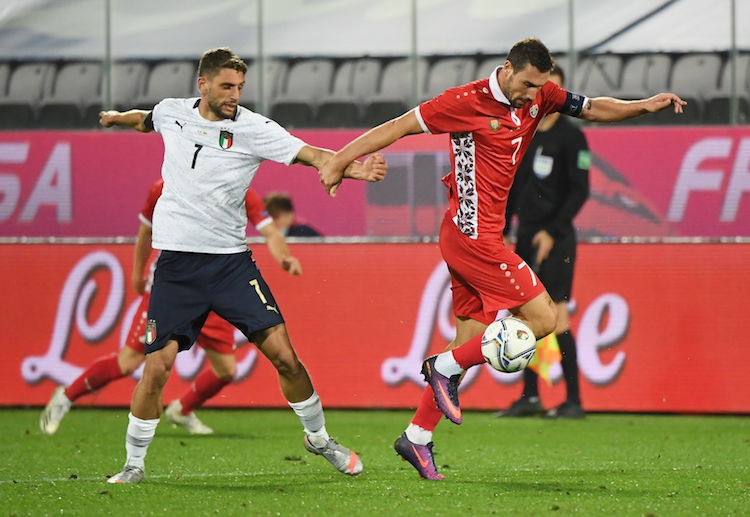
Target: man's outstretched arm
[134, 119]
[608, 109]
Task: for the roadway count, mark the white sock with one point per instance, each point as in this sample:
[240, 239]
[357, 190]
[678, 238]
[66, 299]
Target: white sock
[139, 436]
[418, 435]
[310, 413]
[446, 364]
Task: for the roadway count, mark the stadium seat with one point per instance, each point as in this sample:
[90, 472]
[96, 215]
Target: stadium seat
[75, 84]
[274, 72]
[693, 76]
[598, 76]
[307, 83]
[4, 74]
[170, 79]
[128, 83]
[394, 95]
[447, 73]
[355, 83]
[718, 104]
[644, 75]
[487, 65]
[29, 84]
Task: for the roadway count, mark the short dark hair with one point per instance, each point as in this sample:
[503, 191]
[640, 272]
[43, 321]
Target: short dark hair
[557, 70]
[530, 51]
[212, 61]
[278, 203]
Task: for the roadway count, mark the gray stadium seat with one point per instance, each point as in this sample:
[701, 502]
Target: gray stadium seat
[354, 84]
[4, 75]
[693, 76]
[274, 72]
[642, 76]
[393, 97]
[170, 79]
[75, 85]
[307, 83]
[598, 76]
[718, 103]
[447, 73]
[128, 82]
[29, 84]
[487, 65]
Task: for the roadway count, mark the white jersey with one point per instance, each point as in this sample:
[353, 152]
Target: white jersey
[207, 169]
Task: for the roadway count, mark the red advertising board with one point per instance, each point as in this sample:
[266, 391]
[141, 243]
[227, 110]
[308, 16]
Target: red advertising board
[658, 326]
[645, 181]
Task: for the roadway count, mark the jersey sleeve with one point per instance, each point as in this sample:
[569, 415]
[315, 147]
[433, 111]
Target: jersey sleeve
[256, 210]
[156, 117]
[559, 99]
[449, 112]
[273, 142]
[146, 215]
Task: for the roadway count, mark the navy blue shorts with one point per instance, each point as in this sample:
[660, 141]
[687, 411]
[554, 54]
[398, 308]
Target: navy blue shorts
[187, 286]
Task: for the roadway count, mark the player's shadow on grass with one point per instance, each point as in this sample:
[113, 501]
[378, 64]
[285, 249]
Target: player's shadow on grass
[180, 434]
[251, 483]
[541, 487]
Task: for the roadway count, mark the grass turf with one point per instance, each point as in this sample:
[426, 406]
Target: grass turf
[255, 464]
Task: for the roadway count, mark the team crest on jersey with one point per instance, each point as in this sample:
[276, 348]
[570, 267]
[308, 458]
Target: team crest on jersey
[534, 111]
[150, 332]
[225, 139]
[495, 125]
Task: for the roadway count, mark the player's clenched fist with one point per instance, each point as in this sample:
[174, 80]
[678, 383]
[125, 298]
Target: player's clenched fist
[374, 168]
[106, 118]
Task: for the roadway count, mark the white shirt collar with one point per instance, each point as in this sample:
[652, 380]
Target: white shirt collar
[495, 88]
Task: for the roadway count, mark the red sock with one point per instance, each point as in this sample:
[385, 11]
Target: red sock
[205, 386]
[101, 372]
[470, 353]
[427, 415]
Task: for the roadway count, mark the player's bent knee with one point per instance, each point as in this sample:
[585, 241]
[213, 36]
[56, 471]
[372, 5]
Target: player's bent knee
[288, 364]
[228, 373]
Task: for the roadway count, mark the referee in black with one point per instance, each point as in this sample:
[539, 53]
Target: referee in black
[550, 188]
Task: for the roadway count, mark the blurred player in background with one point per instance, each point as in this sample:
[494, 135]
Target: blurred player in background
[491, 123]
[551, 186]
[212, 150]
[216, 337]
[281, 208]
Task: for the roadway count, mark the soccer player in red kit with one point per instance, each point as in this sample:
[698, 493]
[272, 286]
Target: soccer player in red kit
[491, 123]
[216, 336]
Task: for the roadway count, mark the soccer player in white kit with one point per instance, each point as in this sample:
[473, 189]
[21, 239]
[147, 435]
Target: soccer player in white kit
[212, 149]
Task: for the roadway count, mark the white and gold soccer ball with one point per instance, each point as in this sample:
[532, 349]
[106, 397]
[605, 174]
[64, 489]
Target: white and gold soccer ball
[508, 345]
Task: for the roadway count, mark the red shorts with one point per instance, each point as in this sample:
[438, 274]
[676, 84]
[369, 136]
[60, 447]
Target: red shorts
[486, 277]
[217, 334]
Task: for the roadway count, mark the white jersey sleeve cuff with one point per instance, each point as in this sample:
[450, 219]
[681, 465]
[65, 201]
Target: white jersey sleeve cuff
[421, 121]
[293, 156]
[144, 220]
[265, 222]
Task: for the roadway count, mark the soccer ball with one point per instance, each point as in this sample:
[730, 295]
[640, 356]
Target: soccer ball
[508, 345]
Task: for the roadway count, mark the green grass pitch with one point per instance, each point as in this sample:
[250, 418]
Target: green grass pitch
[255, 464]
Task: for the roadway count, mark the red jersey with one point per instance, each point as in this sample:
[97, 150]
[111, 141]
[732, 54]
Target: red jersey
[488, 141]
[256, 210]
